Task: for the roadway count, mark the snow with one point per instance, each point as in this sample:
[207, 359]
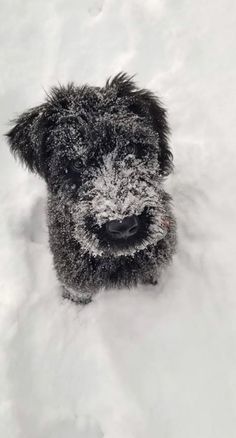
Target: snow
[153, 362]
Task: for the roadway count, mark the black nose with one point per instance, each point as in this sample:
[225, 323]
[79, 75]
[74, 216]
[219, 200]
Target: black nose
[123, 229]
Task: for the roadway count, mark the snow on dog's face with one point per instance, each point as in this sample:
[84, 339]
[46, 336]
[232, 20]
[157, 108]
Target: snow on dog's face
[103, 153]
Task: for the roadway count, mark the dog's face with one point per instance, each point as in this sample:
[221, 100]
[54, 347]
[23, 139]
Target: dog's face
[103, 153]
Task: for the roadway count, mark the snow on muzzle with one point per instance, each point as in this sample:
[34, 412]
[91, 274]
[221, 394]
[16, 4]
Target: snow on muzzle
[121, 190]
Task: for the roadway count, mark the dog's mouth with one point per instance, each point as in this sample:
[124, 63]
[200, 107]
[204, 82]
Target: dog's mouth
[126, 236]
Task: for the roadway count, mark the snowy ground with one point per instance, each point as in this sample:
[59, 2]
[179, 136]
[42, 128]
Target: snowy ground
[151, 362]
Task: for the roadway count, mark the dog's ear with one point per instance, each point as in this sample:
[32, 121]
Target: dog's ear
[26, 138]
[145, 104]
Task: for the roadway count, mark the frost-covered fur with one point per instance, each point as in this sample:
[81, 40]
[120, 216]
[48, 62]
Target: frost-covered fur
[103, 153]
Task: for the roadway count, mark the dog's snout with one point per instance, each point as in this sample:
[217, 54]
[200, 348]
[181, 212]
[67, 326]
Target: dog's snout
[123, 229]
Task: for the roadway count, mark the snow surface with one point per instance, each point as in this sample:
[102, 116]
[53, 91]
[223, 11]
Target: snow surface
[151, 362]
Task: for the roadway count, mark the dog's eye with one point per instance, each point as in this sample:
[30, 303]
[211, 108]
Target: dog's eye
[77, 165]
[140, 150]
[130, 148]
[74, 168]
[137, 149]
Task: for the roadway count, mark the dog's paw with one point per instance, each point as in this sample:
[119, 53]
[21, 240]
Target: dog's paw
[77, 297]
[153, 281]
[150, 279]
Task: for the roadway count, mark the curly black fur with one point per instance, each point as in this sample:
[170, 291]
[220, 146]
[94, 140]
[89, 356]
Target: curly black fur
[103, 153]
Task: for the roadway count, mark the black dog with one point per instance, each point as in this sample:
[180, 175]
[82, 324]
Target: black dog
[103, 153]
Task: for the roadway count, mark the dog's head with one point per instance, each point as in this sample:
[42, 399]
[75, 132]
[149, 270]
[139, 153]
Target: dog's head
[103, 153]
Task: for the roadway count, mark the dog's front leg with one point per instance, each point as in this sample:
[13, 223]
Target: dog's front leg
[151, 277]
[77, 296]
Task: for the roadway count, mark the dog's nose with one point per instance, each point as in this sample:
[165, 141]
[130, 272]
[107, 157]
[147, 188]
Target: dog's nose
[123, 229]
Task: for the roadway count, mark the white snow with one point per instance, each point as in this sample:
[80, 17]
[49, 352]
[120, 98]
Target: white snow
[153, 362]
